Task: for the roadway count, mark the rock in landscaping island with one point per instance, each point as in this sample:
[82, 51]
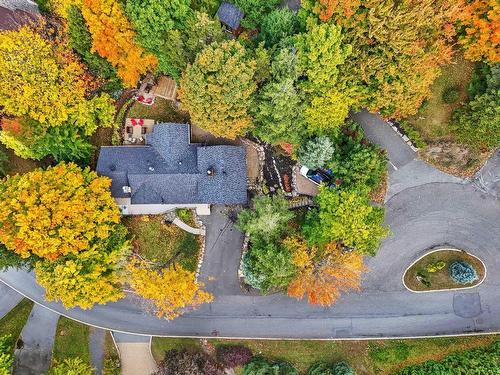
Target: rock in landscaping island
[463, 273]
[444, 269]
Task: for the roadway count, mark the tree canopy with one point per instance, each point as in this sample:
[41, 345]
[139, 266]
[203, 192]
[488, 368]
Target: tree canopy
[54, 212]
[346, 217]
[171, 290]
[113, 38]
[217, 88]
[323, 273]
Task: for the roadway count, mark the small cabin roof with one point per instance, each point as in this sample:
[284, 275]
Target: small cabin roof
[230, 15]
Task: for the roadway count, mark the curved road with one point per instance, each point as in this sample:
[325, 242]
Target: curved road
[425, 208]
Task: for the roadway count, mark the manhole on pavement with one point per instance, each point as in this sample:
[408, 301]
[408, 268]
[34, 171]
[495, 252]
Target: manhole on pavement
[467, 305]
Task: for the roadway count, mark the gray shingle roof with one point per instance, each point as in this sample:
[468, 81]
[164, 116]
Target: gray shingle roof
[170, 170]
[230, 15]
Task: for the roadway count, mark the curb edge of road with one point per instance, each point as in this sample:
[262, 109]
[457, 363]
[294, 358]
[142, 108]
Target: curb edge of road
[448, 289]
[359, 338]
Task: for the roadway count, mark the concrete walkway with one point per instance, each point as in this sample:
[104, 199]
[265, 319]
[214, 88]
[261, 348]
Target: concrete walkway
[9, 298]
[187, 228]
[34, 353]
[135, 354]
[96, 342]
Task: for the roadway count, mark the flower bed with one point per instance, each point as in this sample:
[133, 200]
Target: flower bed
[444, 269]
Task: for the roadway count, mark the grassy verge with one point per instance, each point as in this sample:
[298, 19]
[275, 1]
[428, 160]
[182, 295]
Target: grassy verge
[161, 111]
[12, 324]
[159, 242]
[432, 122]
[72, 340]
[111, 357]
[436, 276]
[367, 357]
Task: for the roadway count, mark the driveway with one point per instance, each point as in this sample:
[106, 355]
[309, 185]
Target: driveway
[9, 298]
[34, 350]
[425, 208]
[135, 354]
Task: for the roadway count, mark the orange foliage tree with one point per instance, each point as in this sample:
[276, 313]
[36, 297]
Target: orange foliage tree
[113, 39]
[326, 8]
[323, 272]
[59, 211]
[481, 38]
[171, 291]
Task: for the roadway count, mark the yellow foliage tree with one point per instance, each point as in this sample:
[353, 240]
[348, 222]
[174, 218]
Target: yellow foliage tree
[59, 211]
[38, 79]
[326, 112]
[113, 39]
[172, 290]
[90, 277]
[323, 273]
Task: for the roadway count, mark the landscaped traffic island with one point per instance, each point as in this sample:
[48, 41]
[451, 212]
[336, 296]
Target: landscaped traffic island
[444, 269]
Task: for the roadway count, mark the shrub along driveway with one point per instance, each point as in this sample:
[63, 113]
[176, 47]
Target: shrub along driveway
[425, 208]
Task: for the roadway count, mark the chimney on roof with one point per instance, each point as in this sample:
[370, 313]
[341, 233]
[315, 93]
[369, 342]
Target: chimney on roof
[211, 172]
[127, 189]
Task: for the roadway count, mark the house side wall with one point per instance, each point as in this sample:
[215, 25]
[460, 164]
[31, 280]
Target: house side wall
[127, 208]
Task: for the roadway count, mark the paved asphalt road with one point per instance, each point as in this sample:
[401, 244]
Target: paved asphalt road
[425, 209]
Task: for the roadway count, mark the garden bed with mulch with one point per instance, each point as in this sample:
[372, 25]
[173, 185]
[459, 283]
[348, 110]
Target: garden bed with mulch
[432, 271]
[278, 168]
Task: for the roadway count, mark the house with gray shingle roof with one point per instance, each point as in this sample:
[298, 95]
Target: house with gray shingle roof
[170, 172]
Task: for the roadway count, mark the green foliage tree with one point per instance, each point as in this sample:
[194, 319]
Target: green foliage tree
[348, 218]
[259, 366]
[30, 140]
[217, 89]
[201, 31]
[268, 267]
[322, 368]
[4, 160]
[278, 25]
[357, 162]
[152, 19]
[206, 6]
[267, 220]
[255, 11]
[6, 357]
[478, 122]
[72, 366]
[81, 41]
[278, 110]
[320, 52]
[316, 153]
[397, 50]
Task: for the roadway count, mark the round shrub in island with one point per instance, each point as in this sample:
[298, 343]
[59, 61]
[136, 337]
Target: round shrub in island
[463, 273]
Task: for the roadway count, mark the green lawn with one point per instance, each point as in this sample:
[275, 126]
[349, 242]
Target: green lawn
[159, 242]
[161, 111]
[368, 357]
[432, 122]
[433, 118]
[72, 340]
[13, 323]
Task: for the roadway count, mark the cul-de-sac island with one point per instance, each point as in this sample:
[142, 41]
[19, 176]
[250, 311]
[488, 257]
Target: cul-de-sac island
[251, 187]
